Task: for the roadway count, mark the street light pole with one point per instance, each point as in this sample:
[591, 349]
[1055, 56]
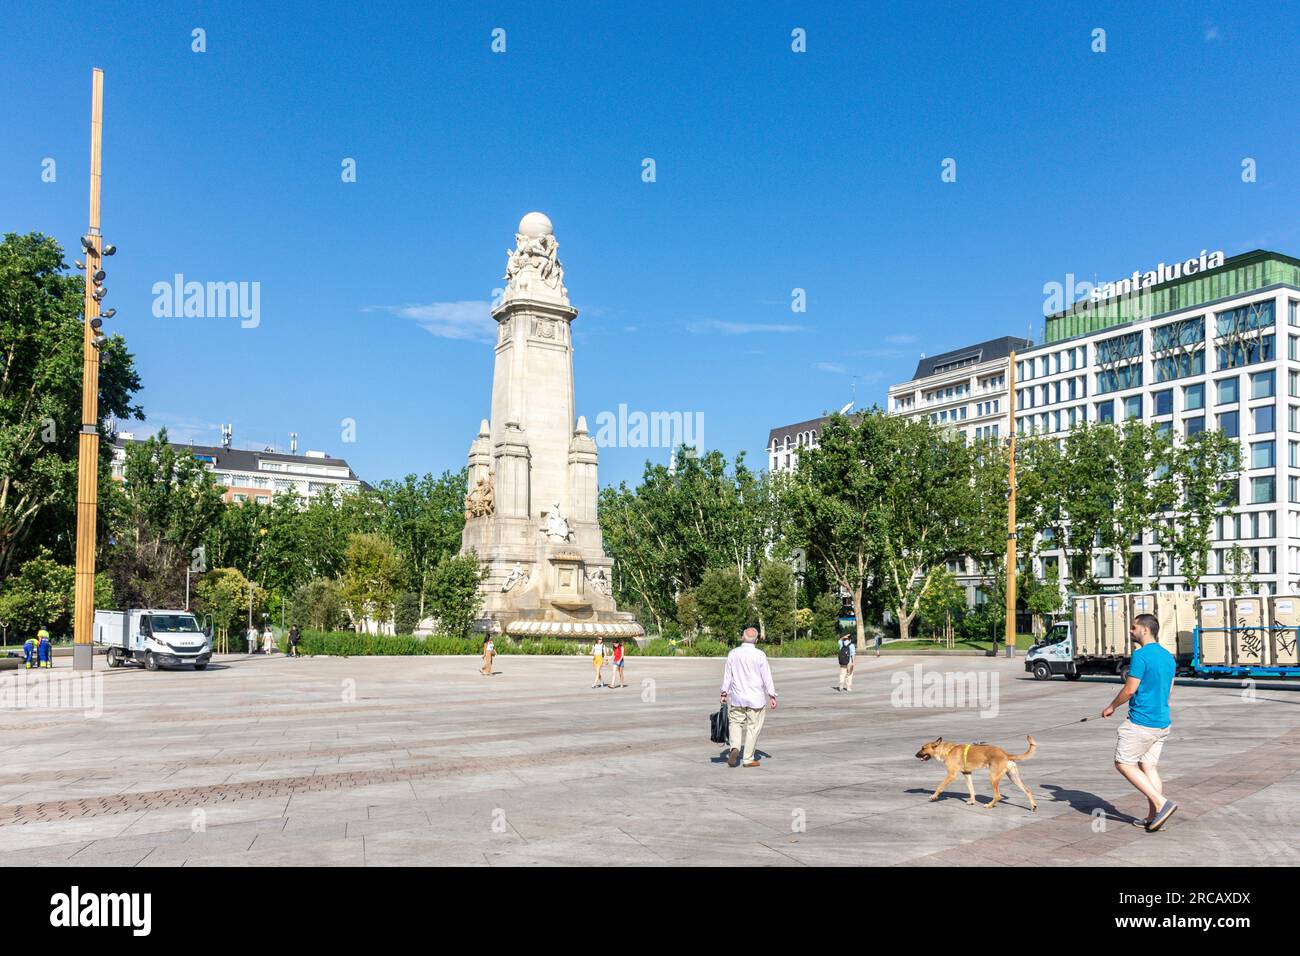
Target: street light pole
[88, 439]
[1011, 508]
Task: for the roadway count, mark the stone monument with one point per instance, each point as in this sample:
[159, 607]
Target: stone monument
[530, 506]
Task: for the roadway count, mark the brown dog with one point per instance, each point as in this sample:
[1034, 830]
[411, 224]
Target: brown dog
[963, 758]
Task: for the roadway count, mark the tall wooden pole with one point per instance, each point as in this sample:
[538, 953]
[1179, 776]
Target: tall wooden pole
[1011, 508]
[88, 440]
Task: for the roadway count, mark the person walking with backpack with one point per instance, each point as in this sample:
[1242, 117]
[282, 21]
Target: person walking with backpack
[746, 687]
[848, 651]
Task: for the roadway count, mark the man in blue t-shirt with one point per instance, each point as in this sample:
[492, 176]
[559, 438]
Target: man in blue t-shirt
[1142, 736]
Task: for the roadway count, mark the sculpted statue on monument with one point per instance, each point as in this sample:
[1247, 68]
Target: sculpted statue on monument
[598, 578]
[557, 526]
[479, 501]
[516, 575]
[536, 250]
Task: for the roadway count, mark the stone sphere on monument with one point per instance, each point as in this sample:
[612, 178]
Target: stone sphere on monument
[535, 225]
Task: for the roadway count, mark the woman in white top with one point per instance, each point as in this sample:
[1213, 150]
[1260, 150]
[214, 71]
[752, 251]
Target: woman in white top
[598, 660]
[268, 642]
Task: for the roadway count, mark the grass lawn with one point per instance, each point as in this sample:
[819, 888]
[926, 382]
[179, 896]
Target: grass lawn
[1023, 643]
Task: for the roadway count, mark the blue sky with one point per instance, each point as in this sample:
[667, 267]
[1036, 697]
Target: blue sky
[775, 170]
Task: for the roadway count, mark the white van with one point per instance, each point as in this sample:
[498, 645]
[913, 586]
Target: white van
[153, 637]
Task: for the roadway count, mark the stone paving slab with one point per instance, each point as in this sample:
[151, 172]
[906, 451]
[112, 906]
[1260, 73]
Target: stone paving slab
[422, 761]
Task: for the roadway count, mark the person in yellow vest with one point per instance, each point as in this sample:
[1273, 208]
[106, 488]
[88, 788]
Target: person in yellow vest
[30, 659]
[43, 649]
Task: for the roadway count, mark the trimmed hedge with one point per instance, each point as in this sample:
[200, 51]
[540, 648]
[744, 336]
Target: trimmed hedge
[349, 644]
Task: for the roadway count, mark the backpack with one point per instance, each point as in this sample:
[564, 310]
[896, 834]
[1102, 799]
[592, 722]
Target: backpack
[845, 655]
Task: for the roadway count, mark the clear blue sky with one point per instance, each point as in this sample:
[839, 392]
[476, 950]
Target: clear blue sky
[775, 171]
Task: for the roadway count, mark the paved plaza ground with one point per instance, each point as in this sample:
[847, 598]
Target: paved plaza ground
[382, 761]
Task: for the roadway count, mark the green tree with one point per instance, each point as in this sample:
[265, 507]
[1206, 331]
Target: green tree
[40, 595]
[688, 614]
[942, 599]
[1043, 596]
[228, 596]
[724, 603]
[41, 334]
[826, 616]
[165, 508]
[372, 579]
[774, 600]
[888, 500]
[803, 620]
[406, 613]
[318, 605]
[682, 521]
[1240, 569]
[456, 593]
[424, 518]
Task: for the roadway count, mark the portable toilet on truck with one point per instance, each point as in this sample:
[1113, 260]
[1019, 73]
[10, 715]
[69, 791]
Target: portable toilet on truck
[1086, 622]
[1284, 611]
[1213, 619]
[1114, 626]
[1250, 630]
[1175, 611]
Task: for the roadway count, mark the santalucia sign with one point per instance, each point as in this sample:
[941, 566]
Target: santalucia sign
[1160, 274]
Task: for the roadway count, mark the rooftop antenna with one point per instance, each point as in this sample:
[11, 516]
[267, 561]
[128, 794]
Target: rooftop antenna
[293, 443]
[227, 433]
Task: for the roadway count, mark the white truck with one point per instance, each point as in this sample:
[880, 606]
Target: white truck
[153, 637]
[1248, 636]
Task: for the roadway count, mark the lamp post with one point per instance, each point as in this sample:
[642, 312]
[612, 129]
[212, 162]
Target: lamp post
[1011, 508]
[92, 245]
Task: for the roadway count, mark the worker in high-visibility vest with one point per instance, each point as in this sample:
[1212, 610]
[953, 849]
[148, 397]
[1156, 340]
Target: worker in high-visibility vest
[29, 653]
[43, 650]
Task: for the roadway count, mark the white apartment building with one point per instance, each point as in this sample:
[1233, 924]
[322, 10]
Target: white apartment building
[964, 390]
[259, 475]
[1215, 347]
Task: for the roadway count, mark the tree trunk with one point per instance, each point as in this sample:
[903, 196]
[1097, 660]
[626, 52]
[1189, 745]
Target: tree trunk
[904, 624]
[857, 619]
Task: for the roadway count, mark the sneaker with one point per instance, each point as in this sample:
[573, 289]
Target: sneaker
[1144, 824]
[733, 758]
[1161, 818]
[751, 763]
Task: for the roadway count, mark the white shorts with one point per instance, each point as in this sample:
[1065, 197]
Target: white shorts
[1138, 744]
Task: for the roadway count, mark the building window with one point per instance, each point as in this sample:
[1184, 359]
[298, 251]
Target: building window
[1227, 391]
[1163, 402]
[1261, 454]
[1262, 490]
[1106, 411]
[1193, 397]
[1245, 352]
[1228, 424]
[1261, 385]
[1263, 419]
[1185, 365]
[1133, 407]
[1194, 426]
[1245, 318]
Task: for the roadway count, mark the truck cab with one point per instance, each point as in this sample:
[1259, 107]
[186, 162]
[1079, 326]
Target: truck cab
[1054, 654]
[153, 637]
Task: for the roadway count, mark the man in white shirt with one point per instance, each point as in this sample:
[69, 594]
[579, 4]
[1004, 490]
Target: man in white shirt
[746, 688]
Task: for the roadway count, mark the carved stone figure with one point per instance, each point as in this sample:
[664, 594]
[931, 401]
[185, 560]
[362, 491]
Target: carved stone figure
[536, 251]
[516, 575]
[480, 500]
[598, 579]
[557, 525]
